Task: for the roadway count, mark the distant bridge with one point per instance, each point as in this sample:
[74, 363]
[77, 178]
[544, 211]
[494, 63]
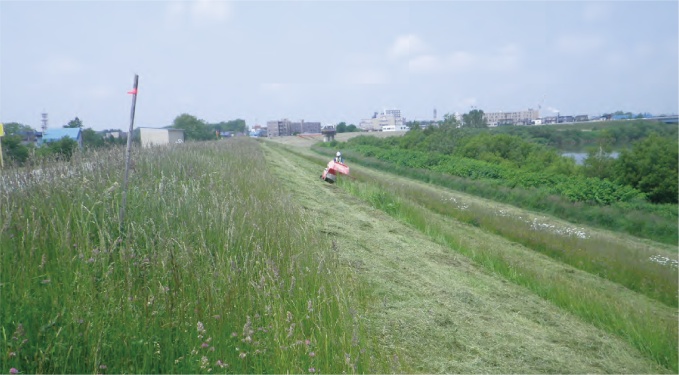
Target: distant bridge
[666, 119]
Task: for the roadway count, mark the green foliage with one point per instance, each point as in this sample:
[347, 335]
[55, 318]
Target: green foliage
[651, 166]
[474, 119]
[236, 126]
[449, 122]
[62, 149]
[15, 128]
[194, 129]
[75, 123]
[12, 149]
[342, 127]
[543, 181]
[515, 162]
[511, 150]
[92, 139]
[618, 134]
[599, 163]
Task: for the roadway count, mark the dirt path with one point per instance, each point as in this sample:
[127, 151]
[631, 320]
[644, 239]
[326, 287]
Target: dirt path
[438, 310]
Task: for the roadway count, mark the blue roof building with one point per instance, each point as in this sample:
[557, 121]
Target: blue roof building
[51, 135]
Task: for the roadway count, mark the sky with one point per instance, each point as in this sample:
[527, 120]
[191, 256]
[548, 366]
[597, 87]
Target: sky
[332, 61]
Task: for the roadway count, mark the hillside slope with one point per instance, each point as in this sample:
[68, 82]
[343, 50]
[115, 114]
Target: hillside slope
[438, 310]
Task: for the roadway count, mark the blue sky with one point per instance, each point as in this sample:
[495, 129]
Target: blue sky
[332, 61]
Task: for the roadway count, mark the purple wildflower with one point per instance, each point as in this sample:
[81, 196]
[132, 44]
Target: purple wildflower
[13, 371]
[311, 369]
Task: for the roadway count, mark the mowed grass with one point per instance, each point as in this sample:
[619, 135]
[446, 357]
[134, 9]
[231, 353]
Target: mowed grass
[650, 273]
[216, 270]
[646, 324]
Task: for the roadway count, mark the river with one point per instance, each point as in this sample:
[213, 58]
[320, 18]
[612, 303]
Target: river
[581, 156]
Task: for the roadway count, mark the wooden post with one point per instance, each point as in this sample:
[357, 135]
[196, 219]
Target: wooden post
[128, 151]
[2, 133]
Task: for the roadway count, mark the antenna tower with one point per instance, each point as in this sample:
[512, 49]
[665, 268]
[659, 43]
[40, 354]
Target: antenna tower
[44, 121]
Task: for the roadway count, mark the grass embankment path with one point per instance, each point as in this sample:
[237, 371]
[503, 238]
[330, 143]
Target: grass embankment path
[440, 311]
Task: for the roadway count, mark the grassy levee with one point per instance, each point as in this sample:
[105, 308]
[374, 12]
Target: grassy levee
[617, 262]
[646, 324]
[215, 271]
[657, 222]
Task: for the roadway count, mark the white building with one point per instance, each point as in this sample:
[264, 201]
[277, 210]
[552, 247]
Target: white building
[395, 128]
[512, 118]
[388, 120]
[157, 137]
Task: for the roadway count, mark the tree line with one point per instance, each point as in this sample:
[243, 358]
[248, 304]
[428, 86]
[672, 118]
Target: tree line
[649, 165]
[19, 152]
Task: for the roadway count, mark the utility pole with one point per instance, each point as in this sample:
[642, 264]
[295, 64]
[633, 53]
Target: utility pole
[129, 150]
[2, 133]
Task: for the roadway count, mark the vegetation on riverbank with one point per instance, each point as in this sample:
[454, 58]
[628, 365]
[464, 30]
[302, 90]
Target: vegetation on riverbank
[649, 326]
[512, 170]
[213, 271]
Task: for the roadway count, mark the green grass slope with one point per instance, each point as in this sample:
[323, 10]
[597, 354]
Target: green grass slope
[453, 297]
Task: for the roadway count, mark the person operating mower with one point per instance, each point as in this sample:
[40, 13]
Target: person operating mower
[335, 167]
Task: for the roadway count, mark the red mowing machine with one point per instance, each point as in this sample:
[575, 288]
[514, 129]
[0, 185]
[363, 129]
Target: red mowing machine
[334, 169]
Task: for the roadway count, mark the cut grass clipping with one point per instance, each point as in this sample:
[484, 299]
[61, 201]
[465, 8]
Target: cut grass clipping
[649, 327]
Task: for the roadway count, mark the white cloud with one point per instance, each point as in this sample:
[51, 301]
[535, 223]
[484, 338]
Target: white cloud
[506, 58]
[210, 10]
[426, 64]
[406, 45]
[579, 43]
[460, 60]
[366, 76]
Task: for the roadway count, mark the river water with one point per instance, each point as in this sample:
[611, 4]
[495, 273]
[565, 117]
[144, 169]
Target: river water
[581, 156]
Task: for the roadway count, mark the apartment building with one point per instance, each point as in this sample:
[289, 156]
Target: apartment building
[387, 120]
[285, 127]
[512, 118]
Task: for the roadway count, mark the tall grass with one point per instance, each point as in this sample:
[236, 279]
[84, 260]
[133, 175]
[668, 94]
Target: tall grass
[652, 329]
[216, 270]
[657, 222]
